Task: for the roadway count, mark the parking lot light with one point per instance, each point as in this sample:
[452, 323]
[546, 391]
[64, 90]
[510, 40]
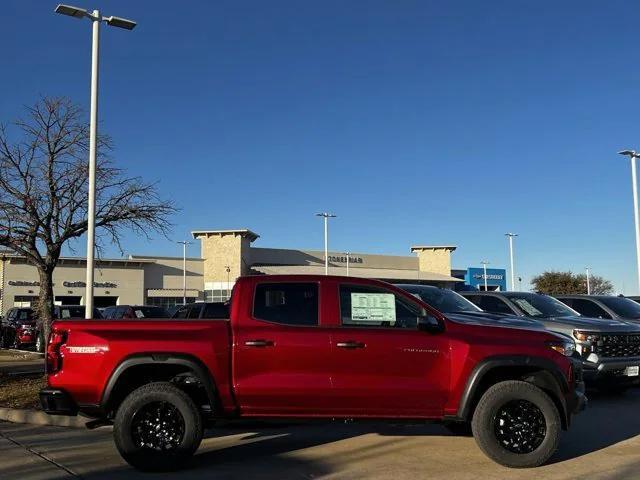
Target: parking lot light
[484, 275]
[326, 217]
[634, 183]
[513, 273]
[96, 19]
[588, 269]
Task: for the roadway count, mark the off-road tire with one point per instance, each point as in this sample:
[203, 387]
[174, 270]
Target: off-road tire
[146, 459]
[485, 418]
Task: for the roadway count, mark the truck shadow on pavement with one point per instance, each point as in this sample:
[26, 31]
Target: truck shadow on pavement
[609, 419]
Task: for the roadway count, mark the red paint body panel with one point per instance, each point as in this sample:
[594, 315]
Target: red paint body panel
[301, 373]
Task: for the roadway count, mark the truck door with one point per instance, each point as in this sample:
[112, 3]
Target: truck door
[281, 352]
[382, 364]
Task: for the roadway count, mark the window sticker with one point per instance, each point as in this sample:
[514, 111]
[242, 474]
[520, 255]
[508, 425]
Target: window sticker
[527, 307]
[139, 314]
[377, 307]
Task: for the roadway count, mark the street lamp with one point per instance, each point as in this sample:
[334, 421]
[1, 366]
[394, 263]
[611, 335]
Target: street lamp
[184, 244]
[484, 267]
[326, 217]
[513, 273]
[95, 18]
[347, 255]
[588, 280]
[634, 182]
[228, 270]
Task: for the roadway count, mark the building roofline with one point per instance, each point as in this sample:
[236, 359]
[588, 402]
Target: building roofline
[243, 232]
[415, 248]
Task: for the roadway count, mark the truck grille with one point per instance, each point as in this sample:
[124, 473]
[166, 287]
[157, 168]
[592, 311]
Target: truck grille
[619, 346]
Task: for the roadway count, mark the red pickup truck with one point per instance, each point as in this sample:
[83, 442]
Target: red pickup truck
[314, 347]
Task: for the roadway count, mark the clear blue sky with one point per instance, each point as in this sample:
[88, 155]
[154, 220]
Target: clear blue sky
[417, 122]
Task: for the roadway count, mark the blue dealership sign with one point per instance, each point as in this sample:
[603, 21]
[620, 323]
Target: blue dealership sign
[496, 277]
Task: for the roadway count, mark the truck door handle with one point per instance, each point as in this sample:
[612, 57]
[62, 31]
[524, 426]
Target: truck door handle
[259, 343]
[350, 344]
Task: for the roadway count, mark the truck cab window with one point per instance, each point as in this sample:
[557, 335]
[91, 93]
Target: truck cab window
[287, 303]
[364, 306]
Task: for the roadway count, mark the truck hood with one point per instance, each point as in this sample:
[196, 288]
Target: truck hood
[495, 320]
[588, 324]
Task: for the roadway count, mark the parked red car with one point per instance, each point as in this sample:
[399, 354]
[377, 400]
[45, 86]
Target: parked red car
[314, 347]
[18, 328]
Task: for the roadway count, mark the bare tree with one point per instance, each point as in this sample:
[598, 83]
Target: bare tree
[44, 191]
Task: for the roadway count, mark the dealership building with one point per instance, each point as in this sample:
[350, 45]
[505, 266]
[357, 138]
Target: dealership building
[225, 256]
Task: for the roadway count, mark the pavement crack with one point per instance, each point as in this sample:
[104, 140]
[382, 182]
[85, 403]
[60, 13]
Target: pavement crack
[41, 455]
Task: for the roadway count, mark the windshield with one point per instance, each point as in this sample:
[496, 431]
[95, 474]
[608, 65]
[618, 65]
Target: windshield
[150, 312]
[443, 300]
[622, 306]
[539, 306]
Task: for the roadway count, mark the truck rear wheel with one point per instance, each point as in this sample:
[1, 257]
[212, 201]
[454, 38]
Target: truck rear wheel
[158, 427]
[516, 424]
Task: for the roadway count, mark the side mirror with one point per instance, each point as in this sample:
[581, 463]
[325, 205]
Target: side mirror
[429, 324]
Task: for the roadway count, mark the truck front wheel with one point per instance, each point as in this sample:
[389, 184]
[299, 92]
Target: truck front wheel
[516, 424]
[157, 427]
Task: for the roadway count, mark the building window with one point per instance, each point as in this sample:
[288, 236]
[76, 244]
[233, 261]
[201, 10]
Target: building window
[168, 302]
[24, 301]
[217, 295]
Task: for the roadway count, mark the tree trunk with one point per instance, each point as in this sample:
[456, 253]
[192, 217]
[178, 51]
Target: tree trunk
[45, 301]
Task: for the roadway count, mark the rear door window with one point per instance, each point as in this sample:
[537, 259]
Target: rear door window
[216, 310]
[182, 312]
[494, 305]
[194, 311]
[287, 303]
[589, 309]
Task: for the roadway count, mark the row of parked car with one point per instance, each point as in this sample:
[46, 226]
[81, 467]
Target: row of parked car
[22, 329]
[605, 329]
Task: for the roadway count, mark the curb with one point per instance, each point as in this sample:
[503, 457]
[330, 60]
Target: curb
[36, 417]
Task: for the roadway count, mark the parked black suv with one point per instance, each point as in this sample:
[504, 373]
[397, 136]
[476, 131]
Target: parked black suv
[603, 306]
[203, 310]
[609, 348]
[462, 310]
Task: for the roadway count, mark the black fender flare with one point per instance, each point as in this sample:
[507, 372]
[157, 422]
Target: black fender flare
[549, 377]
[188, 361]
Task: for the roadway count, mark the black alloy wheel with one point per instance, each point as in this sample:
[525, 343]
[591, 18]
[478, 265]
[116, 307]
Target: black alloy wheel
[520, 426]
[158, 426]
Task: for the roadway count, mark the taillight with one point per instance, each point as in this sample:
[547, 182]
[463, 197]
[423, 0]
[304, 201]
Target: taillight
[54, 357]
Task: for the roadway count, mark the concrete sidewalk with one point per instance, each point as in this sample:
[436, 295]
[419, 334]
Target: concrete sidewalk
[603, 443]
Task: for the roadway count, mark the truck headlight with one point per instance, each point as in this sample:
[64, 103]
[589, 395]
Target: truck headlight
[566, 348]
[586, 336]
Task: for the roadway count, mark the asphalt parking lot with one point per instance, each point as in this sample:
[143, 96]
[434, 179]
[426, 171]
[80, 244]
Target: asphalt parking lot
[604, 443]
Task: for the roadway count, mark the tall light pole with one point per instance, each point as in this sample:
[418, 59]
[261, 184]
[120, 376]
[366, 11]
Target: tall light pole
[513, 273]
[326, 217]
[96, 19]
[228, 270]
[588, 280]
[347, 255]
[184, 244]
[484, 275]
[634, 182]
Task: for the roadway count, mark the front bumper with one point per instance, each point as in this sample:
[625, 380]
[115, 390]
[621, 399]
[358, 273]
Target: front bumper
[577, 400]
[611, 371]
[57, 402]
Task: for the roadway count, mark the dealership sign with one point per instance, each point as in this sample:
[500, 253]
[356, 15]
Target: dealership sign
[95, 284]
[26, 283]
[339, 259]
[490, 276]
